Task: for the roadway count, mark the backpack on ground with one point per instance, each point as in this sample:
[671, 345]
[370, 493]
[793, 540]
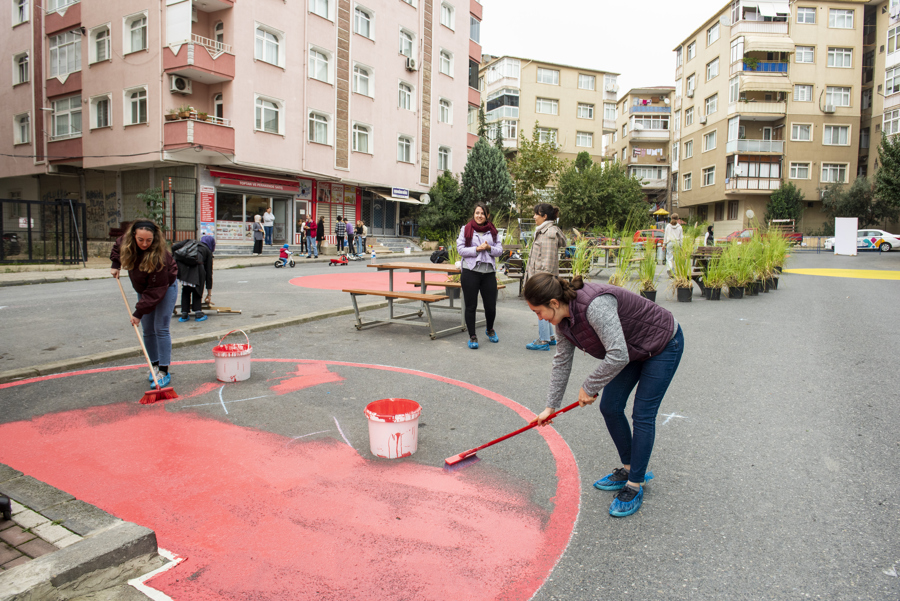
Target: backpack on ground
[440, 256]
[188, 253]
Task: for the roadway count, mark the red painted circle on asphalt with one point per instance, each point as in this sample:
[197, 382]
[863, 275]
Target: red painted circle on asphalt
[339, 280]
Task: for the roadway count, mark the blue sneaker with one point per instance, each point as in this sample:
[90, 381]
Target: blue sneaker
[617, 479]
[184, 318]
[473, 343]
[537, 345]
[202, 318]
[553, 342]
[150, 376]
[628, 501]
[492, 335]
[164, 380]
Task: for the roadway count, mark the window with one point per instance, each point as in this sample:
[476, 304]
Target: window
[712, 104]
[54, 5]
[719, 211]
[837, 96]
[801, 132]
[836, 135]
[219, 34]
[547, 135]
[101, 115]
[319, 7]
[361, 138]
[799, 171]
[609, 111]
[891, 122]
[806, 15]
[406, 43]
[445, 111]
[624, 130]
[709, 177]
[805, 54]
[689, 149]
[679, 56]
[318, 128]
[675, 152]
[892, 81]
[362, 22]
[100, 44]
[443, 158]
[712, 69]
[136, 106]
[834, 173]
[840, 19]
[474, 29]
[677, 120]
[866, 99]
[473, 73]
[712, 34]
[509, 129]
[689, 116]
[686, 182]
[737, 50]
[550, 76]
[318, 65]
[547, 106]
[22, 129]
[405, 96]
[135, 33]
[447, 16]
[709, 141]
[691, 83]
[692, 50]
[361, 77]
[268, 115]
[659, 122]
[893, 35]
[20, 12]
[840, 57]
[268, 46]
[803, 93]
[585, 139]
[586, 82]
[66, 117]
[586, 111]
[404, 149]
[219, 106]
[734, 89]
[20, 66]
[446, 63]
[65, 53]
[732, 209]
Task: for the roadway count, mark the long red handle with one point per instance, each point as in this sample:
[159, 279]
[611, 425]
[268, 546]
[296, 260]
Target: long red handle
[465, 454]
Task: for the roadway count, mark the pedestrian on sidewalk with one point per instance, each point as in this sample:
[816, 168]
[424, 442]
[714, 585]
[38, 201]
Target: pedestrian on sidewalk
[478, 244]
[361, 232]
[637, 342]
[258, 234]
[544, 258]
[312, 238]
[301, 229]
[340, 230]
[319, 231]
[194, 275]
[348, 225]
[269, 225]
[671, 238]
[153, 273]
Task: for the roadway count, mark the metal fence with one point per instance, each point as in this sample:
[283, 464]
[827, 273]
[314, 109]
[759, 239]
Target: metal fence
[42, 231]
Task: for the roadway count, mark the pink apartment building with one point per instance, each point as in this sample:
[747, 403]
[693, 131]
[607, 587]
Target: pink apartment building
[313, 107]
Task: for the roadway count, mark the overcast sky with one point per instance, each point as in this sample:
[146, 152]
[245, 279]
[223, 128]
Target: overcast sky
[631, 37]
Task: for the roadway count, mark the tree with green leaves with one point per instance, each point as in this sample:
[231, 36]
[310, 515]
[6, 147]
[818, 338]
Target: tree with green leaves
[482, 122]
[486, 179]
[860, 201]
[887, 178]
[535, 166]
[155, 202]
[598, 195]
[446, 209]
[785, 203]
[583, 161]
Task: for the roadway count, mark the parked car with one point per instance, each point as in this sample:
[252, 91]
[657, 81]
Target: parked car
[642, 236]
[745, 235]
[871, 240]
[11, 245]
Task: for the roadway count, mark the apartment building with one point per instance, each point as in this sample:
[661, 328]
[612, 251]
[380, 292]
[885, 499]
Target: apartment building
[314, 108]
[769, 92]
[642, 140]
[573, 106]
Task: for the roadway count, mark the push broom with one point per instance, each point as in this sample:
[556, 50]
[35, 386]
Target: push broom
[467, 458]
[159, 394]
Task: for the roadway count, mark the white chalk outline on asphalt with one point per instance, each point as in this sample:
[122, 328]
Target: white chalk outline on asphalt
[304, 436]
[223, 402]
[154, 594]
[669, 416]
[342, 433]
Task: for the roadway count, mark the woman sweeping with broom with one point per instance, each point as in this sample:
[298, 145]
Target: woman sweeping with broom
[638, 344]
[153, 273]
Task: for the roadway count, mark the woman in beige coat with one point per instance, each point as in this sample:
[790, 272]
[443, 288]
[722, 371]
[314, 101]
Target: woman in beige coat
[544, 257]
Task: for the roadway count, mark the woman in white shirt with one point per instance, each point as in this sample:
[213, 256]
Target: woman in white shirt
[673, 236]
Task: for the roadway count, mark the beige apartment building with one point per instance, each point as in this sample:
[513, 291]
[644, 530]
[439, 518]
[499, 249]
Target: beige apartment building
[642, 140]
[772, 92]
[573, 106]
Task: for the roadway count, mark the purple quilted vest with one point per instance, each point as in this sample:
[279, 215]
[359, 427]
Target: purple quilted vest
[648, 327]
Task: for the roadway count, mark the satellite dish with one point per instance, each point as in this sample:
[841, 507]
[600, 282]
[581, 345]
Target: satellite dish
[425, 199]
[750, 214]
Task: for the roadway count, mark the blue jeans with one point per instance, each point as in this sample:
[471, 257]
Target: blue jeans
[269, 229]
[155, 325]
[360, 245]
[652, 378]
[545, 330]
[311, 247]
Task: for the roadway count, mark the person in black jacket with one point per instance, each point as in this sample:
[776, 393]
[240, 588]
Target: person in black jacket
[195, 277]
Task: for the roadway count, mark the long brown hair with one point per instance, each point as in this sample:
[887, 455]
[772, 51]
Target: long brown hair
[153, 259]
[545, 287]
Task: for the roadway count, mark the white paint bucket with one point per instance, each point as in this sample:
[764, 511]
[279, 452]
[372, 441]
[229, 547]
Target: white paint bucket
[407, 250]
[232, 360]
[393, 427]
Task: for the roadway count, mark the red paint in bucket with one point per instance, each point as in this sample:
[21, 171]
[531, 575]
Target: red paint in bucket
[393, 427]
[232, 360]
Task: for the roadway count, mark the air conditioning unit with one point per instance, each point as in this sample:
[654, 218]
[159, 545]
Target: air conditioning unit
[829, 108]
[180, 85]
[612, 87]
[411, 64]
[702, 120]
[690, 93]
[822, 194]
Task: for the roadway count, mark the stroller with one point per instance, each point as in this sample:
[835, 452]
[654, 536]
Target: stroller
[282, 261]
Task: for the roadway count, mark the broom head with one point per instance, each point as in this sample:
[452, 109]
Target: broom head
[154, 396]
[458, 462]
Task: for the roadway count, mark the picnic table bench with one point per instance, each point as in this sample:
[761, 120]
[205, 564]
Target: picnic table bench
[425, 299]
[516, 270]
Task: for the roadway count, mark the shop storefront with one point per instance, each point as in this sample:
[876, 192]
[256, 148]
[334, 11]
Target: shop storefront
[337, 199]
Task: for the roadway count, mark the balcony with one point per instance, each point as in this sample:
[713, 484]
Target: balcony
[775, 109]
[651, 109]
[679, 70]
[609, 125]
[740, 27]
[755, 146]
[202, 60]
[213, 135]
[766, 67]
[892, 101]
[741, 184]
[677, 102]
[654, 184]
[650, 134]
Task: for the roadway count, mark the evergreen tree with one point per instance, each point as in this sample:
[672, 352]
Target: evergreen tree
[599, 195]
[445, 211]
[535, 166]
[887, 180]
[785, 203]
[583, 161]
[486, 179]
[482, 122]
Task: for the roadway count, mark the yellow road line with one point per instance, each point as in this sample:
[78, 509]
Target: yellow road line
[864, 274]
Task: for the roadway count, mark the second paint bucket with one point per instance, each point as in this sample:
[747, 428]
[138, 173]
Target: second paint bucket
[232, 360]
[393, 427]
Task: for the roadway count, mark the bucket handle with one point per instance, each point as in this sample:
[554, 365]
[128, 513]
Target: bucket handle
[232, 332]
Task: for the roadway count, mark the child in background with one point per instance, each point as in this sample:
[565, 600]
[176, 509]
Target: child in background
[284, 254]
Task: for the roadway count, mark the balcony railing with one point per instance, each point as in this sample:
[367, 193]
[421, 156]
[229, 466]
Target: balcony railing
[655, 184]
[762, 184]
[609, 124]
[776, 146]
[892, 101]
[759, 27]
[650, 134]
[651, 109]
[767, 67]
[213, 45]
[768, 108]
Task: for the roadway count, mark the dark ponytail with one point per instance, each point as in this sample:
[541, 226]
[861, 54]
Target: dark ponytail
[545, 287]
[546, 210]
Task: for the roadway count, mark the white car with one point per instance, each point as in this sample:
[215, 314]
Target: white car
[871, 240]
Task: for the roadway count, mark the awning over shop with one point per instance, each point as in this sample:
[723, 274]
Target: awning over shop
[411, 201]
[228, 178]
[763, 83]
[768, 44]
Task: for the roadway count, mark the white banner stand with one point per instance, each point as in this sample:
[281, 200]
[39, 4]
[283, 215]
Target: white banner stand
[845, 230]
